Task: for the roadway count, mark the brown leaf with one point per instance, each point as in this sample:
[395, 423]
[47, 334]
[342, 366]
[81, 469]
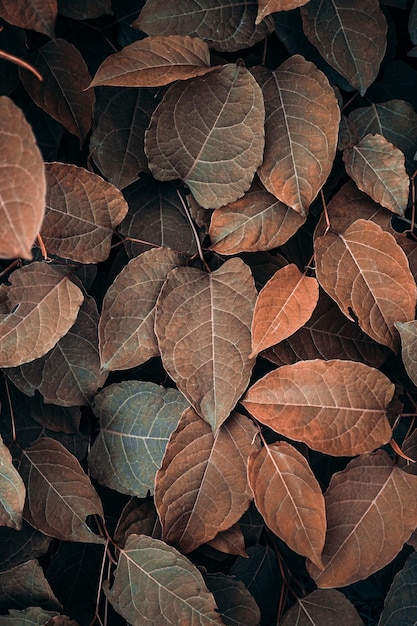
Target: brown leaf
[289, 498]
[81, 10]
[266, 7]
[203, 328]
[38, 308]
[408, 334]
[209, 132]
[201, 488]
[337, 407]
[371, 510]
[22, 183]
[82, 211]
[285, 303]
[26, 585]
[364, 270]
[351, 38]
[61, 93]
[378, 169]
[230, 541]
[322, 606]
[39, 15]
[59, 493]
[301, 129]
[12, 491]
[126, 327]
[138, 517]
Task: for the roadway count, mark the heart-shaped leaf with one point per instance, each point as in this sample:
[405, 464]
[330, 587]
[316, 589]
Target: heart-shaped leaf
[39, 15]
[322, 606]
[12, 491]
[266, 7]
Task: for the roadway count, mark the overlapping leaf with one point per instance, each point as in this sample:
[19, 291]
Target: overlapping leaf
[136, 421]
[39, 15]
[206, 473]
[203, 328]
[400, 603]
[80, 10]
[408, 334]
[230, 541]
[301, 129]
[322, 606]
[371, 510]
[266, 7]
[33, 615]
[26, 585]
[12, 491]
[236, 605]
[37, 309]
[337, 407]
[22, 183]
[365, 271]
[18, 546]
[209, 132]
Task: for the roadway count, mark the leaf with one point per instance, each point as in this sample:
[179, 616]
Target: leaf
[400, 604]
[22, 183]
[230, 541]
[81, 214]
[136, 420]
[301, 129]
[79, 10]
[55, 482]
[336, 407]
[26, 585]
[19, 546]
[352, 39]
[322, 606]
[266, 7]
[289, 498]
[284, 305]
[201, 18]
[203, 328]
[236, 605]
[126, 330]
[371, 510]
[378, 169]
[209, 132]
[408, 334]
[138, 517]
[61, 93]
[171, 587]
[365, 271]
[33, 615]
[39, 15]
[37, 309]
[206, 473]
[12, 491]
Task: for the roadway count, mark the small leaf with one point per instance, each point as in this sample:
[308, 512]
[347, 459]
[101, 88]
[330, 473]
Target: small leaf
[230, 541]
[32, 616]
[337, 407]
[203, 328]
[39, 307]
[39, 15]
[18, 546]
[236, 605]
[209, 132]
[12, 491]
[400, 604]
[136, 421]
[408, 334]
[22, 183]
[266, 7]
[26, 585]
[322, 606]
[80, 10]
[59, 493]
[378, 169]
[171, 588]
[285, 303]
[289, 498]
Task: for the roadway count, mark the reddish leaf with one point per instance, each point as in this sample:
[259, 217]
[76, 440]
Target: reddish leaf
[209, 132]
[81, 10]
[289, 498]
[266, 7]
[365, 271]
[285, 303]
[322, 606]
[12, 491]
[138, 517]
[22, 183]
[206, 473]
[336, 407]
[230, 541]
[39, 15]
[203, 328]
[371, 510]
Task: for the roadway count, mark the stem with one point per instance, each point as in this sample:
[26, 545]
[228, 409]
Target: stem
[190, 220]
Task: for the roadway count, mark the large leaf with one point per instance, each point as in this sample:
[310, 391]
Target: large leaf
[301, 129]
[22, 183]
[203, 328]
[59, 493]
[337, 407]
[136, 420]
[201, 18]
[12, 491]
[39, 15]
[266, 7]
[366, 272]
[209, 132]
[37, 309]
[322, 606]
[155, 584]
[201, 488]
[289, 497]
[352, 38]
[371, 510]
[400, 604]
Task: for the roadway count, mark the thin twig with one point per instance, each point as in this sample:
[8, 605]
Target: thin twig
[17, 61]
[196, 237]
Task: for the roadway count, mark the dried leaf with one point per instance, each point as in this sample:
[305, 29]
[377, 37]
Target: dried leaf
[136, 421]
[378, 169]
[400, 603]
[203, 328]
[235, 604]
[12, 491]
[352, 39]
[408, 334]
[371, 510]
[171, 587]
[337, 407]
[322, 606]
[38, 308]
[138, 517]
[26, 585]
[209, 132]
[289, 498]
[285, 303]
[59, 493]
[266, 7]
[206, 473]
[39, 15]
[301, 129]
[80, 10]
[230, 541]
[365, 271]
[22, 183]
